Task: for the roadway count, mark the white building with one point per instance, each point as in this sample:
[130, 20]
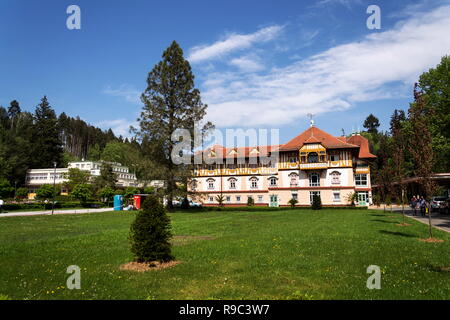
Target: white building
[37, 177]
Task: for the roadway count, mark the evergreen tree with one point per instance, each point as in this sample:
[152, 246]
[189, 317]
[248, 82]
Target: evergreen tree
[170, 102]
[107, 177]
[47, 144]
[13, 113]
[150, 233]
[371, 124]
[317, 203]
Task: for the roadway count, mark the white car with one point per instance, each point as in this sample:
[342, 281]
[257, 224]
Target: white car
[195, 204]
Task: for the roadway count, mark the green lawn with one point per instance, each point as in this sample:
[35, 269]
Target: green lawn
[291, 254]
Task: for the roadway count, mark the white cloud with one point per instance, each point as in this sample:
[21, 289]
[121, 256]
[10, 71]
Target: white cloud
[118, 126]
[249, 63]
[334, 79]
[346, 3]
[233, 42]
[125, 91]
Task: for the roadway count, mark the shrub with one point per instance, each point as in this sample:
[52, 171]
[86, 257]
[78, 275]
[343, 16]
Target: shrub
[129, 192]
[185, 203]
[150, 233]
[293, 202]
[220, 200]
[6, 190]
[317, 203]
[351, 198]
[106, 194]
[82, 192]
[45, 192]
[21, 193]
[149, 190]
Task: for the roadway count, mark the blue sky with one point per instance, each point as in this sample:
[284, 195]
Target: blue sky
[258, 64]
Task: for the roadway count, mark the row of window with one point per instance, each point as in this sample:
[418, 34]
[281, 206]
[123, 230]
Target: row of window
[274, 198]
[96, 166]
[312, 157]
[45, 176]
[314, 181]
[125, 176]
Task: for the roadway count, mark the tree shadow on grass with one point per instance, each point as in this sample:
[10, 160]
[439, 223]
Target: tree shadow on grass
[385, 221]
[396, 233]
[440, 269]
[377, 215]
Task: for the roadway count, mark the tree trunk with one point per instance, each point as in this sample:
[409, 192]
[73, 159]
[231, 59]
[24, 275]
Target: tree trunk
[429, 221]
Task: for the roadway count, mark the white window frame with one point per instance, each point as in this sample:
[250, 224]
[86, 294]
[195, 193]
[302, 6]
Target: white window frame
[254, 183]
[211, 184]
[293, 177]
[271, 180]
[335, 178]
[359, 181]
[314, 184]
[311, 195]
[336, 192]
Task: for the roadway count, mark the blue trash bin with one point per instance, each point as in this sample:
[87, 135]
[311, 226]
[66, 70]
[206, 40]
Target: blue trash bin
[118, 202]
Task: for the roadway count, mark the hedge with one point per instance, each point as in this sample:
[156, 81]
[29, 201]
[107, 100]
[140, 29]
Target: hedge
[48, 206]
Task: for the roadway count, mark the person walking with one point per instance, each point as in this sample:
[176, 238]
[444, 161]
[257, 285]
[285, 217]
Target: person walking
[423, 205]
[414, 205]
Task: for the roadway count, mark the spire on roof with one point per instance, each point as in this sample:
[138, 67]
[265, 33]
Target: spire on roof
[311, 121]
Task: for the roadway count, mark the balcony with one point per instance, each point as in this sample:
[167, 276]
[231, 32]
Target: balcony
[313, 166]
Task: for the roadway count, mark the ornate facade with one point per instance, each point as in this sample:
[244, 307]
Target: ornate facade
[313, 163]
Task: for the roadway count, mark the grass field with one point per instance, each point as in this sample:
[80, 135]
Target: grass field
[291, 254]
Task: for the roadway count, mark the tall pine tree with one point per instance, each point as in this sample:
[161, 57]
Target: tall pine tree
[47, 144]
[170, 102]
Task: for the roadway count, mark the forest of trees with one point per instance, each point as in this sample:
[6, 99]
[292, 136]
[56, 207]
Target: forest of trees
[37, 140]
[417, 143]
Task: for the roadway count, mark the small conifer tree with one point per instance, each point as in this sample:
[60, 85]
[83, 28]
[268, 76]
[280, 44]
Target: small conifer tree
[317, 203]
[185, 203]
[150, 233]
[293, 202]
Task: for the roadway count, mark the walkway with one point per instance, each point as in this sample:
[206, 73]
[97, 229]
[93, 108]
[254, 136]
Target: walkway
[49, 212]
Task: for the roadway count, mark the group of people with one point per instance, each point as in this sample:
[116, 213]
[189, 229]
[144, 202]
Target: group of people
[419, 204]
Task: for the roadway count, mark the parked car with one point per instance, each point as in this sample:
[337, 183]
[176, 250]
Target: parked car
[438, 203]
[195, 204]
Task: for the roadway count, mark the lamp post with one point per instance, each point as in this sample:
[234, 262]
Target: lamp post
[54, 184]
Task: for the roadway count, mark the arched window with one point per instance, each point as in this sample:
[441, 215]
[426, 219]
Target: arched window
[254, 183]
[313, 157]
[335, 177]
[293, 179]
[194, 185]
[314, 180]
[232, 183]
[210, 184]
[273, 181]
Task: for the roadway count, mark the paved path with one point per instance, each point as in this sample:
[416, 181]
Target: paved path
[439, 221]
[49, 212]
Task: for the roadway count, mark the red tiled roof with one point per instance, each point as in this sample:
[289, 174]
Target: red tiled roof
[363, 144]
[312, 135]
[315, 135]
